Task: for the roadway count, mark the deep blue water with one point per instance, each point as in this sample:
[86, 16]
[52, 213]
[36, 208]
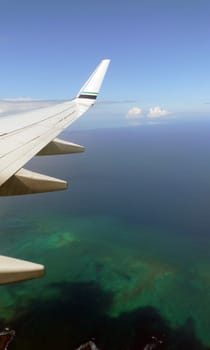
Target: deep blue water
[126, 247]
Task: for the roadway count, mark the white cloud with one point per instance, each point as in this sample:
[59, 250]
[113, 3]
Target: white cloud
[135, 113]
[13, 106]
[157, 112]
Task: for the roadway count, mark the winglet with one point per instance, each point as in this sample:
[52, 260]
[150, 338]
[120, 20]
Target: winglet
[91, 88]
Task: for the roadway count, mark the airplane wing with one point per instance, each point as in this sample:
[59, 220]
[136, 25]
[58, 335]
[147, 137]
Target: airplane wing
[26, 135]
[34, 133]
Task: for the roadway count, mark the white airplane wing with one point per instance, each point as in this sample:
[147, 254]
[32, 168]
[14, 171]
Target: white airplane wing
[34, 133]
[25, 135]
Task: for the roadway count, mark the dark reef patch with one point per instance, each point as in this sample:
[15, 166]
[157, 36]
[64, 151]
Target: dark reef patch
[81, 313]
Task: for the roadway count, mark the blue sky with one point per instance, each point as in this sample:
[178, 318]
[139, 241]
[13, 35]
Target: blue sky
[160, 51]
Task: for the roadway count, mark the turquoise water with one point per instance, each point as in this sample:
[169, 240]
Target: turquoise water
[126, 248]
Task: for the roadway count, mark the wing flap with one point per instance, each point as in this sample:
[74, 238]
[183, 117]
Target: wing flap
[58, 146]
[29, 182]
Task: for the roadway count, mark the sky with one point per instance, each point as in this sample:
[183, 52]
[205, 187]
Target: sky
[159, 51]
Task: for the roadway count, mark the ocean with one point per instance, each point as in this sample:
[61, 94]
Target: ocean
[126, 247]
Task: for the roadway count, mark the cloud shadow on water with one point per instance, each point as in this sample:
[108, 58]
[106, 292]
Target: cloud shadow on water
[81, 313]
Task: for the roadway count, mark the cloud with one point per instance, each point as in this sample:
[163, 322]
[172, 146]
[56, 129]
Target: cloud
[157, 112]
[135, 113]
[111, 102]
[13, 106]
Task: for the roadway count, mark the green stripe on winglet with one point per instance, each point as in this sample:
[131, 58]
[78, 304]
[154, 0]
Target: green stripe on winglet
[88, 92]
